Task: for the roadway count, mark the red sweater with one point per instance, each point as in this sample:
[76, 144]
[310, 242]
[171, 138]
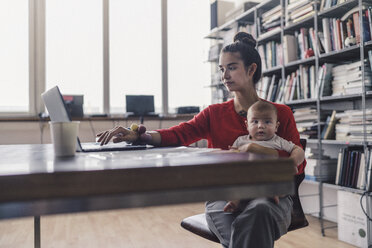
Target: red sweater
[221, 126]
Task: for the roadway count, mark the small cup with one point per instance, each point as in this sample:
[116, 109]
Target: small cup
[64, 137]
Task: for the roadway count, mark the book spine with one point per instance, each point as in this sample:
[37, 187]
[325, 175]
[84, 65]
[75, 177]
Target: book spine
[366, 28]
[338, 28]
[356, 26]
[326, 32]
[369, 11]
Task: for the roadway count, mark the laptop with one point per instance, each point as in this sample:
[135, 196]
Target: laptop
[56, 107]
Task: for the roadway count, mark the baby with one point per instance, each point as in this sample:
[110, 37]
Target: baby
[262, 123]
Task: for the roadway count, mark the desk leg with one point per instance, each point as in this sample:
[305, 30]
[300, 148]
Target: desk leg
[37, 231]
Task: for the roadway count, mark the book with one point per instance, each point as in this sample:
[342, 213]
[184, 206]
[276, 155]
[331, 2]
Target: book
[274, 96]
[312, 81]
[344, 169]
[369, 14]
[369, 172]
[298, 19]
[296, 5]
[290, 54]
[356, 26]
[272, 12]
[360, 184]
[325, 84]
[294, 89]
[355, 172]
[321, 42]
[329, 132]
[322, 5]
[339, 165]
[327, 35]
[350, 28]
[302, 11]
[366, 26]
[339, 40]
[270, 91]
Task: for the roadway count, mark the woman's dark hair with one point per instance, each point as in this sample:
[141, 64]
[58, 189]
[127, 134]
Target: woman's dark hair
[245, 44]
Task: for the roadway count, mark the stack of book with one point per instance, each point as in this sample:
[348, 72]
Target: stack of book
[269, 22]
[307, 122]
[337, 30]
[269, 87]
[300, 84]
[347, 78]
[320, 170]
[271, 54]
[298, 10]
[304, 41]
[351, 168]
[350, 126]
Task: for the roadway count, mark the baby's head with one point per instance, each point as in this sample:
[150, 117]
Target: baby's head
[262, 121]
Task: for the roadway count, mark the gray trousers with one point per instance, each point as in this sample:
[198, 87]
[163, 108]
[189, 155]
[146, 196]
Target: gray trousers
[257, 223]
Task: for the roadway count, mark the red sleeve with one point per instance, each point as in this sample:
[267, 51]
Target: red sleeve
[288, 130]
[188, 132]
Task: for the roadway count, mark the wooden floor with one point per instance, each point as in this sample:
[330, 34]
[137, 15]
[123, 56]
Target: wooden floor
[138, 228]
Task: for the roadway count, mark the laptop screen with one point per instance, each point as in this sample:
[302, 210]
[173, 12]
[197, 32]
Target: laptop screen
[55, 105]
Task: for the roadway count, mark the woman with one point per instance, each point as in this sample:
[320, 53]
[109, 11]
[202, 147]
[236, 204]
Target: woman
[258, 222]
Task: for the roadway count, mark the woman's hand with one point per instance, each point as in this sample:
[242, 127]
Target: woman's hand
[117, 134]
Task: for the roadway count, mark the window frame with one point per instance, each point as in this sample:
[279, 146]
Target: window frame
[37, 60]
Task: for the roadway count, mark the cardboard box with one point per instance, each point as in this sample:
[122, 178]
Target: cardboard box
[352, 223]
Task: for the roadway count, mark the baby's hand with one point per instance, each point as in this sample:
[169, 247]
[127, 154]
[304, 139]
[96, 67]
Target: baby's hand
[233, 148]
[231, 206]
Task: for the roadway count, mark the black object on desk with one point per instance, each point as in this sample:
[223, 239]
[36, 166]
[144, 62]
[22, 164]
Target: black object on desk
[188, 110]
[140, 105]
[74, 105]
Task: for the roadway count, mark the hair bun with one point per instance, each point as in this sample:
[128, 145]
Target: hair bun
[245, 38]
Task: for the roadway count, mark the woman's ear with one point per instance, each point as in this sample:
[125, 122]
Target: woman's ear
[252, 69]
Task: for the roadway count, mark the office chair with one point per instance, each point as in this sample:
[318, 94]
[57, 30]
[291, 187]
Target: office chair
[197, 224]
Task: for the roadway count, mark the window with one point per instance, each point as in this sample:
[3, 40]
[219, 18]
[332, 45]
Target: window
[188, 73]
[14, 59]
[74, 49]
[135, 51]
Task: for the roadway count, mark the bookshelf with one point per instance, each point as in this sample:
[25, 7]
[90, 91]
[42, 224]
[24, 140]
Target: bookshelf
[305, 66]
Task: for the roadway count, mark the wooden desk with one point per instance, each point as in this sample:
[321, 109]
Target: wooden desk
[33, 182]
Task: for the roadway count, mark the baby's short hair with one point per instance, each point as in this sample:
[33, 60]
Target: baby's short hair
[262, 106]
